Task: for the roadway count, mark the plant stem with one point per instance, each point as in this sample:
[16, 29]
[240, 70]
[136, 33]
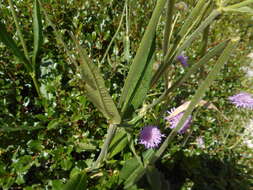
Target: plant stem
[18, 30]
[170, 58]
[116, 33]
[110, 134]
[36, 84]
[168, 24]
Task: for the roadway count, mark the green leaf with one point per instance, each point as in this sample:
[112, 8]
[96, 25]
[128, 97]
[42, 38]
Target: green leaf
[140, 63]
[37, 30]
[191, 18]
[144, 83]
[240, 10]
[35, 145]
[95, 86]
[132, 170]
[53, 124]
[77, 182]
[66, 164]
[239, 5]
[10, 44]
[119, 142]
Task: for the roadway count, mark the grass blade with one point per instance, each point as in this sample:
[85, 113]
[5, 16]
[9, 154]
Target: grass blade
[37, 30]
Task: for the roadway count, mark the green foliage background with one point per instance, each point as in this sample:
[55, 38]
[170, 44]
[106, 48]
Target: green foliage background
[41, 150]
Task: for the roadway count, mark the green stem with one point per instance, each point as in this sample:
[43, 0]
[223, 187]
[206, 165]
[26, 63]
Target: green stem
[110, 134]
[186, 44]
[204, 41]
[36, 83]
[116, 33]
[168, 25]
[18, 30]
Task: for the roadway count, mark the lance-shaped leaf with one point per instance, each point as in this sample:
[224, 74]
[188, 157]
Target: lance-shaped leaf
[144, 83]
[10, 44]
[140, 63]
[37, 30]
[95, 86]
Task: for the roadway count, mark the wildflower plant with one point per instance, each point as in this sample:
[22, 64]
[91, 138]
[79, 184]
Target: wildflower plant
[132, 105]
[242, 100]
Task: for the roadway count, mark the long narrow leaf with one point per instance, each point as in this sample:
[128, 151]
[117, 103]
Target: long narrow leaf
[20, 35]
[143, 84]
[37, 30]
[95, 87]
[10, 43]
[191, 18]
[139, 64]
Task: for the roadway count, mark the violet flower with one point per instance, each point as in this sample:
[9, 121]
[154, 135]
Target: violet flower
[173, 121]
[183, 60]
[150, 137]
[242, 100]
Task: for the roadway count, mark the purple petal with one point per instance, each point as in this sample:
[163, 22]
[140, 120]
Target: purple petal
[183, 60]
[242, 100]
[175, 120]
[150, 137]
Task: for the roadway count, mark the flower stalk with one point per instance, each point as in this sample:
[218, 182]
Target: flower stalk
[110, 134]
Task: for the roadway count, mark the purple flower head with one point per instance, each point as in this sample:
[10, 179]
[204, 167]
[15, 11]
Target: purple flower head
[183, 60]
[174, 120]
[150, 137]
[243, 99]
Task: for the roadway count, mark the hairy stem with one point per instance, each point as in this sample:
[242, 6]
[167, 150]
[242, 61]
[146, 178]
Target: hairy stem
[110, 134]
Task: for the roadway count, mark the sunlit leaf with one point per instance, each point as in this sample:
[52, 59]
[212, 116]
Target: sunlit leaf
[95, 86]
[141, 60]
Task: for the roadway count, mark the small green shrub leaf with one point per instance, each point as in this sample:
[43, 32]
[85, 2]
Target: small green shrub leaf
[77, 182]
